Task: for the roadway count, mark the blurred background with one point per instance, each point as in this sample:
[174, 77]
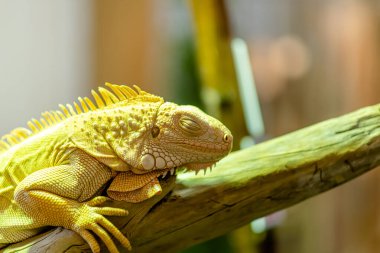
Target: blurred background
[311, 60]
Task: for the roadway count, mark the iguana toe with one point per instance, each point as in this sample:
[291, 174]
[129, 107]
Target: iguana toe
[90, 220]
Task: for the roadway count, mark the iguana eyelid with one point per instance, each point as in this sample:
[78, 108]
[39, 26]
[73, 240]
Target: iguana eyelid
[189, 125]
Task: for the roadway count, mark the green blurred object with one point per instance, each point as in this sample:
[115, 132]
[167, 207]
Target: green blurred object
[185, 83]
[186, 90]
[205, 76]
[219, 91]
[220, 94]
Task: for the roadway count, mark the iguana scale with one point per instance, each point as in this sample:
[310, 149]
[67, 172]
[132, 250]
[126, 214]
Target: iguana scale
[53, 174]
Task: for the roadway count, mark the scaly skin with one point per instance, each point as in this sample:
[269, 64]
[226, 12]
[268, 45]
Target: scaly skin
[55, 173]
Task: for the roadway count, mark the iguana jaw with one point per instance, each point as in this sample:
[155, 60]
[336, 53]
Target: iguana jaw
[199, 166]
[196, 167]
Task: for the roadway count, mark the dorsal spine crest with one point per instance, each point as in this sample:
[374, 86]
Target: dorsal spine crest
[103, 98]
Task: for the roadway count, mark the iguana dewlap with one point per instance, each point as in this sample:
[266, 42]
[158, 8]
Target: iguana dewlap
[54, 173]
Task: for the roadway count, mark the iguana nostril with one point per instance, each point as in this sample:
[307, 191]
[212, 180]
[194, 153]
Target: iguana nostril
[227, 138]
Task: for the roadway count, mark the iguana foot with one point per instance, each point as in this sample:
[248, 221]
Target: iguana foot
[89, 218]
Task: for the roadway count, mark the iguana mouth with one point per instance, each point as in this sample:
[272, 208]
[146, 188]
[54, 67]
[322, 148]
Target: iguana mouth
[202, 147]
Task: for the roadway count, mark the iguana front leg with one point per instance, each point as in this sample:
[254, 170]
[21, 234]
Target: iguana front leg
[64, 196]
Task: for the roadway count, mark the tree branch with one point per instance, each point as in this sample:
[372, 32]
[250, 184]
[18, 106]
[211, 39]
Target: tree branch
[246, 185]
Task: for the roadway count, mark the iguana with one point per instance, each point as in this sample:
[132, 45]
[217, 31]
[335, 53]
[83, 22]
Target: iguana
[55, 172]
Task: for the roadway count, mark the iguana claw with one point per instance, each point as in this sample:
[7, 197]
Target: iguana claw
[90, 220]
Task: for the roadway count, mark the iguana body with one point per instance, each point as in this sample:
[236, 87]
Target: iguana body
[54, 174]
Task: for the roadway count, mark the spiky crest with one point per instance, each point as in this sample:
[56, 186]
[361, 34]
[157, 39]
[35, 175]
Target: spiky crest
[103, 98]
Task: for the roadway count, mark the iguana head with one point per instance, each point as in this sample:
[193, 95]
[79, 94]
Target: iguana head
[132, 130]
[183, 136]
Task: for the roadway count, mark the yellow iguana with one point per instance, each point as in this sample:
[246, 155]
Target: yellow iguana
[55, 173]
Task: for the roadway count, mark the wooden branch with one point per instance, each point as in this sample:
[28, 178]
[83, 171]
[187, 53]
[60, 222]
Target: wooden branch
[246, 185]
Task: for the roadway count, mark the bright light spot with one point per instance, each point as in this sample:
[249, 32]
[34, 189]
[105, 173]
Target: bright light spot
[259, 226]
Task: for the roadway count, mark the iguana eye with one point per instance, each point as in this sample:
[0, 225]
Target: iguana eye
[189, 125]
[155, 131]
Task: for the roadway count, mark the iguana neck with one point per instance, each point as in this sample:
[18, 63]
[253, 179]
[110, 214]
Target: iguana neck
[114, 135]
